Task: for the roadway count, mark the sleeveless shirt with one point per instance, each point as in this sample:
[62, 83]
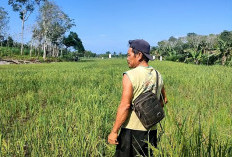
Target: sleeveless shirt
[142, 79]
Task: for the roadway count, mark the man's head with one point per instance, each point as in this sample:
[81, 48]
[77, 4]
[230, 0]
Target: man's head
[138, 52]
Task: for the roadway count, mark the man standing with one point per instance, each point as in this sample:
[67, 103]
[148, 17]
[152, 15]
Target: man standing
[141, 78]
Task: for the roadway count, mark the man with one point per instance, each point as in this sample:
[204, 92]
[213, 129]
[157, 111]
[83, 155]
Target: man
[141, 78]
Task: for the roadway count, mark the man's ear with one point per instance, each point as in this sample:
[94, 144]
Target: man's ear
[140, 56]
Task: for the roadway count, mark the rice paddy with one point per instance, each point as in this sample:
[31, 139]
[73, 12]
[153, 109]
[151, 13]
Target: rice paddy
[68, 109]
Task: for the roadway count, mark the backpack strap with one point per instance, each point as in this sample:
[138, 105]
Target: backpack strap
[157, 82]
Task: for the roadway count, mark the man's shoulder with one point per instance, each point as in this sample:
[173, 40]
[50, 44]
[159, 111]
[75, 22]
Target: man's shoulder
[133, 70]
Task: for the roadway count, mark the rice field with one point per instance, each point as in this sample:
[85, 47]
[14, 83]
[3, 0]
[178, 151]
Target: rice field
[68, 109]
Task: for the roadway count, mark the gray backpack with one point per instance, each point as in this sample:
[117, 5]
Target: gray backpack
[148, 108]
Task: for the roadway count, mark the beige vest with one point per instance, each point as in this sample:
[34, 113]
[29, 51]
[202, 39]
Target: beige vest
[142, 79]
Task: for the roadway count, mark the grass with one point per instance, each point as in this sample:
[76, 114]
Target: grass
[68, 109]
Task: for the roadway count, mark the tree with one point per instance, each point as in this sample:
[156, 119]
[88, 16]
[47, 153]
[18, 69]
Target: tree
[163, 47]
[1, 39]
[74, 41]
[108, 52]
[154, 50]
[4, 20]
[120, 54]
[89, 54]
[25, 8]
[193, 40]
[70, 40]
[172, 41]
[226, 36]
[52, 24]
[10, 41]
[211, 41]
[225, 44]
[223, 48]
[202, 45]
[199, 49]
[37, 37]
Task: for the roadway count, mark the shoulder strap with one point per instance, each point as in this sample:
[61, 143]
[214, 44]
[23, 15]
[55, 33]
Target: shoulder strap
[157, 81]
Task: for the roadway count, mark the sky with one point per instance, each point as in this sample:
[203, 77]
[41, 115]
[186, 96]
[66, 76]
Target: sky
[108, 25]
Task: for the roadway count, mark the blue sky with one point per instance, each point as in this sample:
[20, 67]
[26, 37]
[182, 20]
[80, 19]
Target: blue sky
[107, 25]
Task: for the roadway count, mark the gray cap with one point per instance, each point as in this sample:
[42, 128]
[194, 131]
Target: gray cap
[142, 46]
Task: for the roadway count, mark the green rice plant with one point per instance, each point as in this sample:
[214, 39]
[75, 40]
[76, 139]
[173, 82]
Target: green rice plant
[68, 108]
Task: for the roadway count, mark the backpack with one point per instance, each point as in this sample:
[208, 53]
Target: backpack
[148, 108]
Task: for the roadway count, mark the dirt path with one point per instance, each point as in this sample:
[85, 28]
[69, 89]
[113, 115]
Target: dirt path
[4, 63]
[7, 62]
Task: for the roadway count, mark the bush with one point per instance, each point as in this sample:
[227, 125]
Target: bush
[172, 58]
[209, 59]
[189, 60]
[229, 61]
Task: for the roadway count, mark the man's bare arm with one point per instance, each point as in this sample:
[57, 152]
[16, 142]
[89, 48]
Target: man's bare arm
[163, 97]
[123, 109]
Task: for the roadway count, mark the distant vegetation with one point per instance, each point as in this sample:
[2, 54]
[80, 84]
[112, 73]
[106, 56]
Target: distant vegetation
[48, 34]
[198, 49]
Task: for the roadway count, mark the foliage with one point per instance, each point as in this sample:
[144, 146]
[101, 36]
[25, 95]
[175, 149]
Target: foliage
[226, 36]
[74, 41]
[25, 8]
[9, 42]
[9, 52]
[23, 5]
[52, 24]
[4, 20]
[89, 54]
[197, 49]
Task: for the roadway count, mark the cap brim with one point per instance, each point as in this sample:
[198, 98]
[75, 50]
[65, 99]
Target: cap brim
[148, 56]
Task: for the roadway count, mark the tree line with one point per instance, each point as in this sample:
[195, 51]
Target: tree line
[198, 49]
[48, 33]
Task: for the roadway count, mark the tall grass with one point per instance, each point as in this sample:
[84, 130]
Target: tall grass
[14, 53]
[67, 109]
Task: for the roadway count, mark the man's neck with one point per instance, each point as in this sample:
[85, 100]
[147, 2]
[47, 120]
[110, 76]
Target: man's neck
[143, 63]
